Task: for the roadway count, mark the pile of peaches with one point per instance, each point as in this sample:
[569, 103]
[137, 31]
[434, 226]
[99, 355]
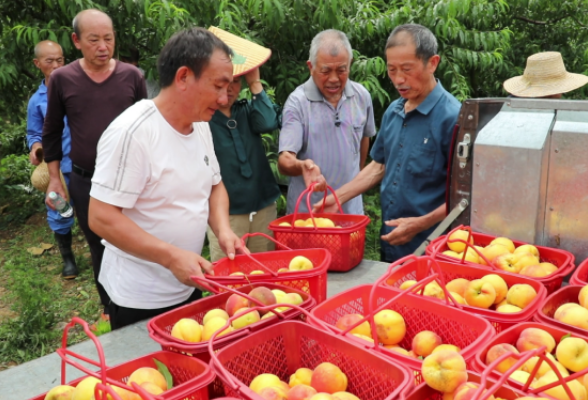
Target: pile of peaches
[325, 382]
[445, 371]
[320, 223]
[575, 314]
[190, 330]
[489, 292]
[148, 378]
[502, 253]
[297, 263]
[390, 331]
[571, 355]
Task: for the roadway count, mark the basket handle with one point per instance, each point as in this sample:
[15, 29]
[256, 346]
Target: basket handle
[205, 281]
[468, 246]
[308, 191]
[105, 392]
[67, 356]
[214, 362]
[248, 235]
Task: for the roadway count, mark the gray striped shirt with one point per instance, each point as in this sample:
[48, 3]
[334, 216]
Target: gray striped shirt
[313, 129]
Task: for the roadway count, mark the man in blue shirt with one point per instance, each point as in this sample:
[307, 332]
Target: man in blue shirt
[411, 152]
[49, 57]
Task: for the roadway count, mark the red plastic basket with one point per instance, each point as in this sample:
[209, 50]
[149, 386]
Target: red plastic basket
[282, 348]
[160, 326]
[567, 294]
[346, 244]
[313, 281]
[563, 260]
[510, 336]
[422, 267]
[580, 276]
[191, 376]
[454, 325]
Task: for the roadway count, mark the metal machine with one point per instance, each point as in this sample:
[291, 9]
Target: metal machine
[520, 169]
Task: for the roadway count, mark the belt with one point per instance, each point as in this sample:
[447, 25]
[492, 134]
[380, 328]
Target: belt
[84, 173]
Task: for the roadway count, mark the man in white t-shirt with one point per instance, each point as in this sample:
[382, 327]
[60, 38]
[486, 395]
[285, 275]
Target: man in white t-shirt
[157, 184]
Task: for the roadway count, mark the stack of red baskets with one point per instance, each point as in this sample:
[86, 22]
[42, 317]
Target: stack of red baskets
[454, 325]
[420, 268]
[345, 242]
[160, 327]
[563, 260]
[190, 375]
[282, 348]
[312, 281]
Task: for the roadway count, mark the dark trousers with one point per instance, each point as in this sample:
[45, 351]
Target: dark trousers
[80, 193]
[123, 316]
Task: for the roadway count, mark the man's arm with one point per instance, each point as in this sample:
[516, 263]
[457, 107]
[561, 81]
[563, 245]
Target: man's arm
[34, 130]
[109, 222]
[367, 178]
[52, 138]
[289, 165]
[218, 220]
[407, 228]
[363, 151]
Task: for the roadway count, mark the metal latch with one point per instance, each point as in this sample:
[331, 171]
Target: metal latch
[463, 150]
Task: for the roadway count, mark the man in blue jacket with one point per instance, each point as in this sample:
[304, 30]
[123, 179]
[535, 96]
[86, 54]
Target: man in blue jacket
[49, 57]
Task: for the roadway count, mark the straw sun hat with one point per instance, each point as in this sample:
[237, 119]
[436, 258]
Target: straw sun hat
[40, 176]
[545, 75]
[246, 54]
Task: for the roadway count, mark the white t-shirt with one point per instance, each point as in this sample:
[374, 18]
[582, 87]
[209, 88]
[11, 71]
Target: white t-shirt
[162, 180]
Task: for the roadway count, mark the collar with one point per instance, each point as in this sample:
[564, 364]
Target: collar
[313, 93]
[42, 87]
[427, 105]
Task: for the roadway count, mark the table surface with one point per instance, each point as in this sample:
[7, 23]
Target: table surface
[40, 375]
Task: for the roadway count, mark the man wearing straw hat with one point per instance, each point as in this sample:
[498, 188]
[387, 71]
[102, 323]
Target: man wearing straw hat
[49, 57]
[545, 76]
[91, 92]
[236, 131]
[326, 124]
[157, 183]
[411, 152]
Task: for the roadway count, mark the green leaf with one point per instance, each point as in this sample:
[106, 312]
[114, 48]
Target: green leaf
[567, 335]
[161, 367]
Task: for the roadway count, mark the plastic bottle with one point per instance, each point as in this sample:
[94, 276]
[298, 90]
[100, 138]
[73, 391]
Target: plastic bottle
[63, 207]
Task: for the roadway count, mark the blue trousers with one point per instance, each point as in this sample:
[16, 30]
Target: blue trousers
[57, 223]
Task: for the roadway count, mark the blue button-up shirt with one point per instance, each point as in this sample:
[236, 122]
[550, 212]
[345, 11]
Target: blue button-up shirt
[415, 149]
[36, 111]
[313, 129]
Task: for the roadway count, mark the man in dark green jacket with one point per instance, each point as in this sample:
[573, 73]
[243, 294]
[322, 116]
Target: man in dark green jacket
[236, 132]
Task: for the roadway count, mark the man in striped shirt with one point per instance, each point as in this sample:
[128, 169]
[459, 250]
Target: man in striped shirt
[326, 124]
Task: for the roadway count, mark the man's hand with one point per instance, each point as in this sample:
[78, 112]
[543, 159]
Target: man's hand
[231, 244]
[330, 205]
[186, 264]
[406, 229]
[32, 155]
[252, 79]
[54, 186]
[311, 173]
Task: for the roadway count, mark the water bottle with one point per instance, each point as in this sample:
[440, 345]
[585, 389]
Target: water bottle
[63, 207]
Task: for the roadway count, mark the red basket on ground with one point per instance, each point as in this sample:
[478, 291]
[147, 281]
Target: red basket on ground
[510, 336]
[567, 294]
[563, 260]
[455, 326]
[346, 243]
[313, 281]
[580, 276]
[422, 267]
[160, 326]
[191, 376]
[282, 348]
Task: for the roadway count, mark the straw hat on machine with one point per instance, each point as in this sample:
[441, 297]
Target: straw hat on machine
[246, 54]
[40, 176]
[545, 75]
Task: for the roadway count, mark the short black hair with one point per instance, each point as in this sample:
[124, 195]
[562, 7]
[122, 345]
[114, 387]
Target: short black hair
[190, 48]
[423, 39]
